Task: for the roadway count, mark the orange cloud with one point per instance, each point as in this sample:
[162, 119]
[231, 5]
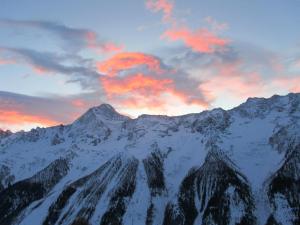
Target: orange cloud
[25, 112]
[141, 91]
[140, 83]
[106, 47]
[201, 40]
[128, 60]
[162, 5]
[17, 118]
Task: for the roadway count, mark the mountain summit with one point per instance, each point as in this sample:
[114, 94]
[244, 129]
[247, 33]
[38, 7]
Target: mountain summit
[217, 167]
[102, 112]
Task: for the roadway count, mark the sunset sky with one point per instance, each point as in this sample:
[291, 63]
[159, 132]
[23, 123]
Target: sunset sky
[60, 57]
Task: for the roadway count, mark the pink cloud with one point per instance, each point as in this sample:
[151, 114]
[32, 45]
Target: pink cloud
[165, 6]
[201, 40]
[128, 60]
[139, 83]
[101, 47]
[238, 87]
[140, 90]
[292, 84]
[19, 118]
[230, 82]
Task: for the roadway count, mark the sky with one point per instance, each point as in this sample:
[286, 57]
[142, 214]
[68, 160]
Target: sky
[59, 58]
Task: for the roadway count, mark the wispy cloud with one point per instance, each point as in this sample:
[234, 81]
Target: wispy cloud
[48, 62]
[165, 6]
[229, 78]
[74, 39]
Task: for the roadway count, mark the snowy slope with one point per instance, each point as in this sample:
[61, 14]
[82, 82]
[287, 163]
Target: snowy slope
[240, 166]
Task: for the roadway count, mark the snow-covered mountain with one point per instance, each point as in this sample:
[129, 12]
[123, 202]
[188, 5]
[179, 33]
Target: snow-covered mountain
[240, 166]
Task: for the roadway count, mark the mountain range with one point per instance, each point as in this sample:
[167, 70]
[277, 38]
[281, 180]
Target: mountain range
[217, 167]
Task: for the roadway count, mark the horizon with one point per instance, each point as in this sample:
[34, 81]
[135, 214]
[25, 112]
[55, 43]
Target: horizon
[154, 57]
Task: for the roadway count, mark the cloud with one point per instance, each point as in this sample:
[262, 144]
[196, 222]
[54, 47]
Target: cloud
[215, 25]
[140, 91]
[129, 60]
[165, 6]
[288, 83]
[47, 62]
[10, 119]
[19, 111]
[101, 46]
[201, 40]
[138, 80]
[229, 78]
[6, 61]
[74, 39]
[137, 83]
[235, 87]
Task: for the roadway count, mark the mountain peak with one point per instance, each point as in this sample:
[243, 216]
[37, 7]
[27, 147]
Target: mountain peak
[105, 106]
[102, 112]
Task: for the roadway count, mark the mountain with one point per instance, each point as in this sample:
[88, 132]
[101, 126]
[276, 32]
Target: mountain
[240, 166]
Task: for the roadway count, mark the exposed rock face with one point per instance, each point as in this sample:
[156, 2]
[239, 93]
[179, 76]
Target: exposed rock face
[88, 191]
[284, 191]
[154, 168]
[18, 196]
[5, 178]
[235, 167]
[213, 193]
